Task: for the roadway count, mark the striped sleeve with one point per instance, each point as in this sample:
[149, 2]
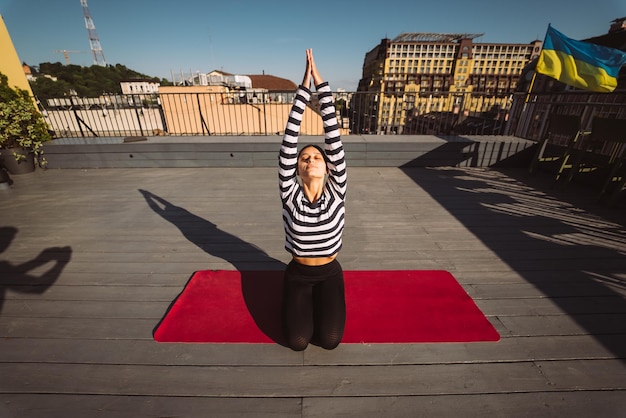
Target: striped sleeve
[287, 160]
[332, 139]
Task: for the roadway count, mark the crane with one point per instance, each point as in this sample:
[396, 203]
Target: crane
[66, 54]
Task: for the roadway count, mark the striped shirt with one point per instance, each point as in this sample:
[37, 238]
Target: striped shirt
[313, 229]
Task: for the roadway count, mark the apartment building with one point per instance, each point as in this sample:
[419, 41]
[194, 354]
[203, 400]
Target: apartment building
[418, 73]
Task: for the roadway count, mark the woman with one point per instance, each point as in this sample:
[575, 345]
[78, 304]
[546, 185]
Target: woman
[314, 306]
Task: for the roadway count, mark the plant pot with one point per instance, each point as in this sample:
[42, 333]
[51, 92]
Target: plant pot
[8, 161]
[5, 180]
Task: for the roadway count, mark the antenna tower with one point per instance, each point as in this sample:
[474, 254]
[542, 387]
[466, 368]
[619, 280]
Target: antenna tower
[96, 49]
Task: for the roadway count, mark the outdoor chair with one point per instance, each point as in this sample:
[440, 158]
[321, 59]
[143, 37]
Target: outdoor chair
[608, 137]
[563, 127]
[615, 181]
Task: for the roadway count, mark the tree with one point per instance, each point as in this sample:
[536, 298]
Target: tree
[21, 124]
[45, 88]
[6, 92]
[91, 81]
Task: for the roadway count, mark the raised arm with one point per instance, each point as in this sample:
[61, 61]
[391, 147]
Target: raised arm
[288, 158]
[332, 137]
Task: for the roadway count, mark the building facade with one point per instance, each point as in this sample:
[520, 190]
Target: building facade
[10, 64]
[139, 86]
[421, 73]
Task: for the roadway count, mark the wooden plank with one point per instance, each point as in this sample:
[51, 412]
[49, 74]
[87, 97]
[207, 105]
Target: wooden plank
[71, 278]
[264, 381]
[553, 290]
[37, 308]
[306, 381]
[101, 293]
[581, 404]
[586, 374]
[536, 404]
[90, 328]
[112, 351]
[550, 306]
[570, 324]
[508, 349]
[59, 406]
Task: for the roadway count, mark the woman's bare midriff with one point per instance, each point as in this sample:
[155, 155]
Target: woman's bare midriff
[314, 261]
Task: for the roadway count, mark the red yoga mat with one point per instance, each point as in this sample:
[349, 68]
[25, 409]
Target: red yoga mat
[396, 306]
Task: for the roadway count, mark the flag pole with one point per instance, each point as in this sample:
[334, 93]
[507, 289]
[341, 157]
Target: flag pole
[532, 81]
[530, 88]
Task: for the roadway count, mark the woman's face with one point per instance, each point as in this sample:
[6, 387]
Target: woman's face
[311, 163]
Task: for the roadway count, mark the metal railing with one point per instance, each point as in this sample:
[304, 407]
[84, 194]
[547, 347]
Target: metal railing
[529, 113]
[107, 116]
[361, 113]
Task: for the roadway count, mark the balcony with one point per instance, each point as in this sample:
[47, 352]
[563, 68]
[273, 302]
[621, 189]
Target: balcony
[190, 127]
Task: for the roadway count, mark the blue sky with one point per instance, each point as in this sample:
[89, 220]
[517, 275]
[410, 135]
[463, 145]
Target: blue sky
[157, 37]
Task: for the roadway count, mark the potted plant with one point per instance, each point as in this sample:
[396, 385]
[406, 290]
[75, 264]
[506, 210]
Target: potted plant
[22, 130]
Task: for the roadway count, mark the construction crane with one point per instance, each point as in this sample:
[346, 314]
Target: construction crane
[66, 54]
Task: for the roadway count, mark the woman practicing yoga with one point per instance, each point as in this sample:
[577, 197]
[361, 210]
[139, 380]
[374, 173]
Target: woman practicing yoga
[314, 308]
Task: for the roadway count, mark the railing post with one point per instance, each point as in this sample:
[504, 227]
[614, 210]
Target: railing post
[138, 117]
[78, 119]
[202, 121]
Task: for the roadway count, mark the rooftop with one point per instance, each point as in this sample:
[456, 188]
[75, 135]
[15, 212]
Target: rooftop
[271, 82]
[434, 37]
[546, 265]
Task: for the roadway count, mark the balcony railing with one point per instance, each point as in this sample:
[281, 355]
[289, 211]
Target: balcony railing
[246, 114]
[529, 113]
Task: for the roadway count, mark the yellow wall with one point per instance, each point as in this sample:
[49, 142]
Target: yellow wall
[10, 64]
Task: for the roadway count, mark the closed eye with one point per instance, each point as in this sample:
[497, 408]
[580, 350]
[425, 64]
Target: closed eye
[306, 158]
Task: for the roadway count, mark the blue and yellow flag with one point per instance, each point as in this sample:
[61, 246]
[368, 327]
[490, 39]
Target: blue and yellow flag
[580, 64]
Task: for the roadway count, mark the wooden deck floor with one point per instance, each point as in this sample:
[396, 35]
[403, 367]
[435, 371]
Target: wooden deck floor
[547, 266]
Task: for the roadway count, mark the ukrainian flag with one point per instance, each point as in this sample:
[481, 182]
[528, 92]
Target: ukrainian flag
[580, 64]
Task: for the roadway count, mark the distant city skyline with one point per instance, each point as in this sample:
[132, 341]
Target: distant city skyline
[158, 38]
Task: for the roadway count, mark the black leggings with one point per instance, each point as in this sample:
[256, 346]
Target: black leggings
[314, 306]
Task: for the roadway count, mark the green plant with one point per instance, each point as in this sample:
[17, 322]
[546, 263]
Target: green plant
[21, 124]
